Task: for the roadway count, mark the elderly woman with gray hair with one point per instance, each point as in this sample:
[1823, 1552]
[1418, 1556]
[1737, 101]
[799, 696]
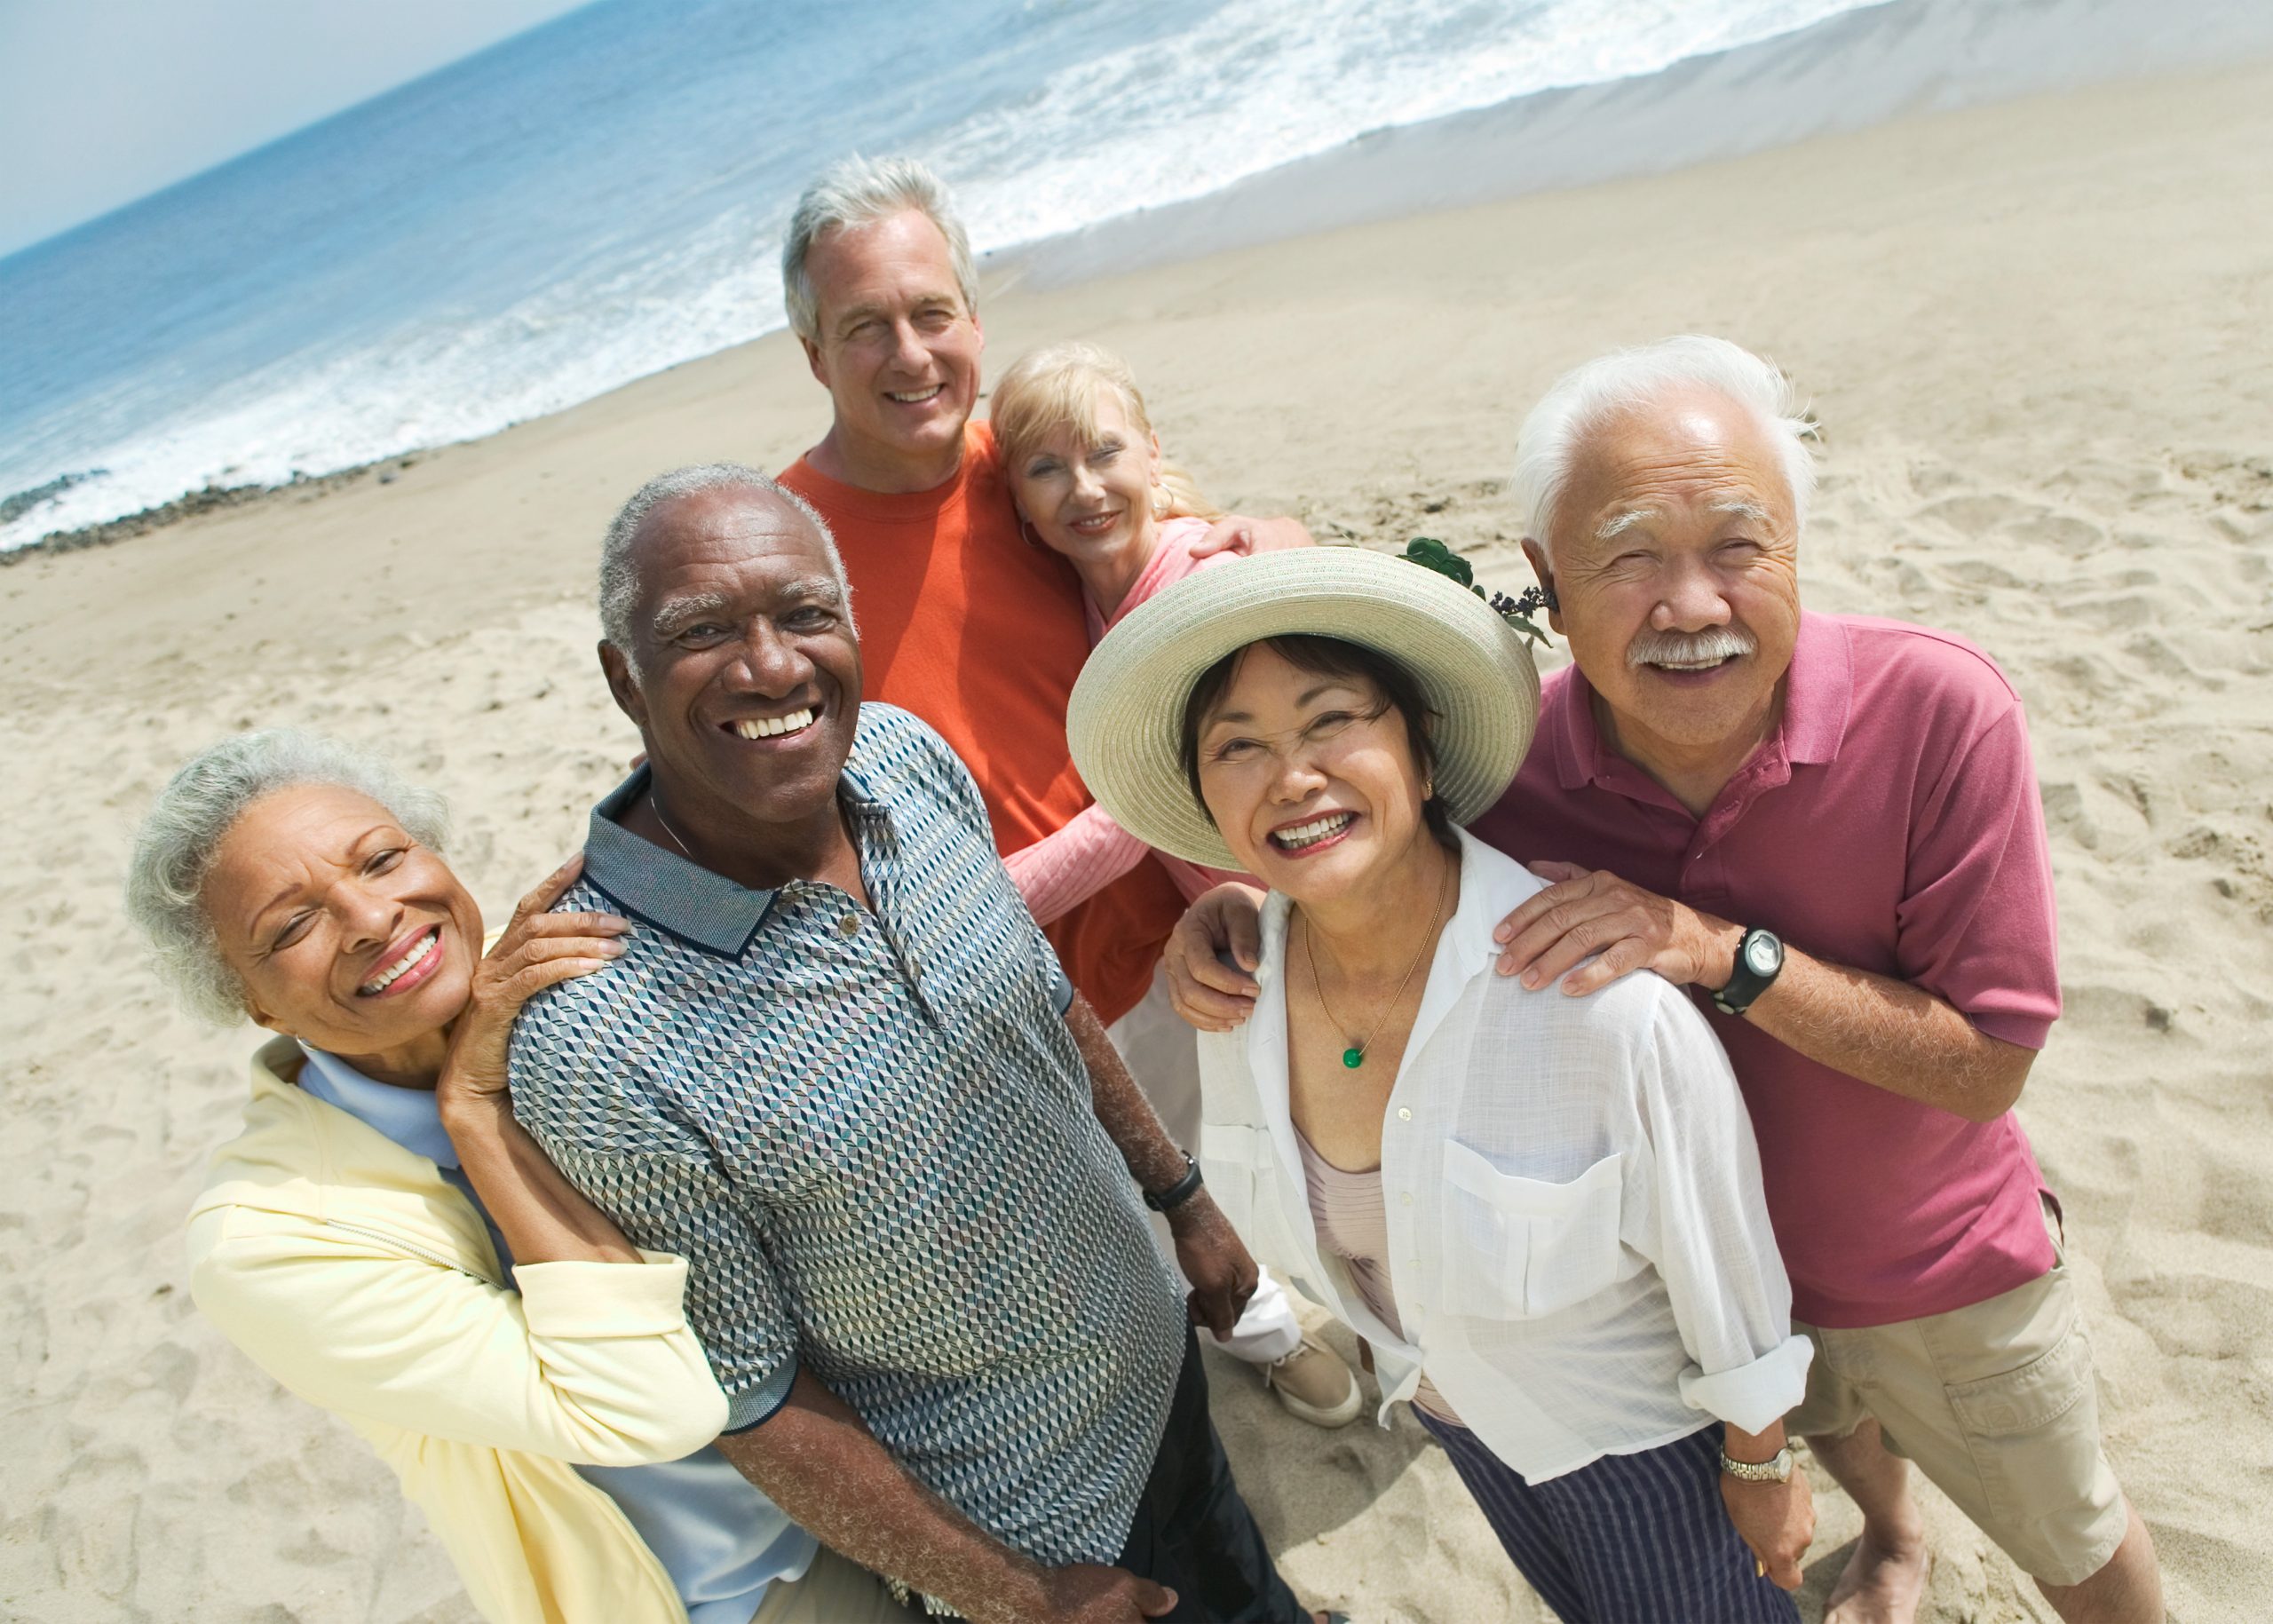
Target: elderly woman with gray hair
[385, 1241]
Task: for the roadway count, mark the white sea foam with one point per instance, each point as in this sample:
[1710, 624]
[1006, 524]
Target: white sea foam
[1249, 86]
[1261, 82]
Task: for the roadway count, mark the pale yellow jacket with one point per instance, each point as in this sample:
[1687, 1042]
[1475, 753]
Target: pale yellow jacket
[350, 1271]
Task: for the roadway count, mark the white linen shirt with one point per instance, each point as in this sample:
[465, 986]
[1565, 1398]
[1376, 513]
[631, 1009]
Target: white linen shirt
[1579, 1245]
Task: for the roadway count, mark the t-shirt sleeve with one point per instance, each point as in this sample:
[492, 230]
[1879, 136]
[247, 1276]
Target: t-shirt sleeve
[1977, 925]
[658, 1180]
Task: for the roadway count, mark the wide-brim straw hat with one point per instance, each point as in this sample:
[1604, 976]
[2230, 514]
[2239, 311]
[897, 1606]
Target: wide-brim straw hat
[1126, 722]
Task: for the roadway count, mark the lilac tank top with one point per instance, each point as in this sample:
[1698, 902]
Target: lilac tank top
[1352, 1220]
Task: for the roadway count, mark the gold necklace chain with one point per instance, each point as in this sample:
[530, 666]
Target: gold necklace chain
[1354, 1056]
[656, 805]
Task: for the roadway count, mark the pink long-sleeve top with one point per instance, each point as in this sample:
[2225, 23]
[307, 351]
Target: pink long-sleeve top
[1066, 867]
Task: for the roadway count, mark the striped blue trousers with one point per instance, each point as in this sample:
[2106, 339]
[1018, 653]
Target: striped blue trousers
[1631, 1539]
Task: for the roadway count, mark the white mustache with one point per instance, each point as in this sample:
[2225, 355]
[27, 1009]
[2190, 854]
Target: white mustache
[1715, 643]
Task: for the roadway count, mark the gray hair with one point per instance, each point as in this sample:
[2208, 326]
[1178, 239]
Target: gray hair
[1583, 398]
[181, 835]
[861, 192]
[619, 579]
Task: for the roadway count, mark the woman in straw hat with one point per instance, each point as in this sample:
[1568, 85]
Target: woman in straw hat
[1543, 1212]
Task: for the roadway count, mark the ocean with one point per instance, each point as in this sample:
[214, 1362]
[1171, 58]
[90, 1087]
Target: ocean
[603, 197]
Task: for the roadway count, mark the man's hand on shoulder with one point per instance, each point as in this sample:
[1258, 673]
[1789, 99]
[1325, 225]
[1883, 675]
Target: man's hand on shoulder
[1236, 534]
[1206, 993]
[1586, 912]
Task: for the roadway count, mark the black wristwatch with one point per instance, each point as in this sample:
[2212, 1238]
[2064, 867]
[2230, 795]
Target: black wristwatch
[1760, 958]
[1177, 1193]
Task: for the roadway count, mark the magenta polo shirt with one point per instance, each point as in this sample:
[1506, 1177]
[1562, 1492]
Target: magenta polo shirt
[1892, 824]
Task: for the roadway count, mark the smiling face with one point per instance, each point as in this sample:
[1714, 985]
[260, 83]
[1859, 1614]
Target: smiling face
[1090, 496]
[747, 685]
[899, 350]
[344, 932]
[1674, 556]
[1309, 776]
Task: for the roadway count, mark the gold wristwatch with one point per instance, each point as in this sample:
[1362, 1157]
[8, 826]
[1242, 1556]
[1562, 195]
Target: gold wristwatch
[1776, 1469]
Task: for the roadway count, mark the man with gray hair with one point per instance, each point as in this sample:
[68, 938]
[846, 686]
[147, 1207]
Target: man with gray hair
[1827, 826]
[838, 1069]
[979, 632]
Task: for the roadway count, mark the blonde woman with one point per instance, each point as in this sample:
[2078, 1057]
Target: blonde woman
[1087, 475]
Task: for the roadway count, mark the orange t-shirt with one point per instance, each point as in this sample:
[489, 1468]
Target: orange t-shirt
[982, 633]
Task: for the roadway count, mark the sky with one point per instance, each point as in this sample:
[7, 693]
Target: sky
[103, 101]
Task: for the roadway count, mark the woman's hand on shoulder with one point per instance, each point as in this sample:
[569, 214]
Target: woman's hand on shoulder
[538, 949]
[1242, 536]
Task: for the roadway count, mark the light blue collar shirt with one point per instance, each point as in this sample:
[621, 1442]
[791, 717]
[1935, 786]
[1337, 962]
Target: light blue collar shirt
[720, 1540]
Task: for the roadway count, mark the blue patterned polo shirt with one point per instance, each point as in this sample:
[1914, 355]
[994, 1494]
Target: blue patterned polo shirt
[870, 1135]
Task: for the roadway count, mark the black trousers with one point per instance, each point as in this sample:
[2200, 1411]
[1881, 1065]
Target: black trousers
[1193, 1532]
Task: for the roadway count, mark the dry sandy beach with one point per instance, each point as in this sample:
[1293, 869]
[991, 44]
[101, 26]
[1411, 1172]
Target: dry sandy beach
[2035, 336]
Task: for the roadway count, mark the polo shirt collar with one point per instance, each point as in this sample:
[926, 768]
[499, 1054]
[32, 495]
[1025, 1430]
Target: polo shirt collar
[1818, 693]
[411, 1117]
[677, 894]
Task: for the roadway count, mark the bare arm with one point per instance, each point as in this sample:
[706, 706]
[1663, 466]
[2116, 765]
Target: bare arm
[817, 1461]
[1216, 1262]
[544, 1217]
[1885, 1033]
[1889, 1034]
[1154, 1161]
[1777, 1520]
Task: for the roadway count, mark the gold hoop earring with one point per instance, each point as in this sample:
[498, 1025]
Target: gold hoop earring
[1160, 500]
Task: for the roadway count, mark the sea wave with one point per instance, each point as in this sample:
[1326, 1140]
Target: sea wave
[429, 298]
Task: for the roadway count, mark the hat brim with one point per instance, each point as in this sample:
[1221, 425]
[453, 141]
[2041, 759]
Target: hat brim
[1126, 721]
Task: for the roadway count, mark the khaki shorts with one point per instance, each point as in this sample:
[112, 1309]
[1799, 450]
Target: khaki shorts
[1996, 1404]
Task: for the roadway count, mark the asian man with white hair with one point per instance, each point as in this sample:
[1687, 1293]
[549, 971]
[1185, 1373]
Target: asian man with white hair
[1827, 827]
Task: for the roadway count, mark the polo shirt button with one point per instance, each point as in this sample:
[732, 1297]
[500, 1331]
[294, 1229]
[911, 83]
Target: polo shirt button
[1404, 1198]
[849, 925]
[1404, 1114]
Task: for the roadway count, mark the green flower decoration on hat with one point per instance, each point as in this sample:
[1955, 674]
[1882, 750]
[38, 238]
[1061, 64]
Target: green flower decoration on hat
[1429, 553]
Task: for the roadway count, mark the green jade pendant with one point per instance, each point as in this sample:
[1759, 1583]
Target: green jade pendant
[1353, 1057]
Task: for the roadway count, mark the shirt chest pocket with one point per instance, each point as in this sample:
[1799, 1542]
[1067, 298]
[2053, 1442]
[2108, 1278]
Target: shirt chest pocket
[1520, 1248]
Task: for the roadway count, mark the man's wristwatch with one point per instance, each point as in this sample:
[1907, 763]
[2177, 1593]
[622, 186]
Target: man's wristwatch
[1760, 957]
[1776, 1469]
[1177, 1193]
